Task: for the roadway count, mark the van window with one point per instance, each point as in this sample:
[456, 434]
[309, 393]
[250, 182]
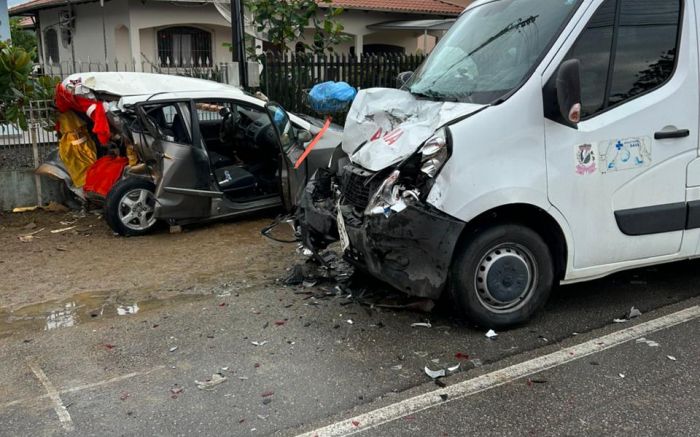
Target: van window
[628, 48]
[491, 49]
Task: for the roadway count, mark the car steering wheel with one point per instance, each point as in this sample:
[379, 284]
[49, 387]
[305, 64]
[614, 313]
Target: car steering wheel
[229, 125]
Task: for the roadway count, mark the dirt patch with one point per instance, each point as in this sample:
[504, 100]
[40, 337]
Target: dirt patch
[87, 257]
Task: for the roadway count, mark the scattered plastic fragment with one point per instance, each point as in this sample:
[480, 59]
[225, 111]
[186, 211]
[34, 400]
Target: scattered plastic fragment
[631, 314]
[355, 423]
[175, 391]
[622, 375]
[671, 357]
[650, 343]
[453, 368]
[434, 374]
[209, 384]
[172, 349]
[58, 231]
[421, 325]
[350, 322]
[258, 343]
[491, 334]
[397, 367]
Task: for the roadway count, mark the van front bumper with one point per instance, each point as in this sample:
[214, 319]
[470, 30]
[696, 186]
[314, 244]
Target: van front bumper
[410, 250]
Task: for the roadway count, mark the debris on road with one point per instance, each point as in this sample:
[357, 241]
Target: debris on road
[421, 325]
[209, 384]
[434, 374]
[671, 357]
[61, 230]
[259, 343]
[172, 349]
[491, 334]
[631, 314]
[29, 237]
[453, 368]
[622, 375]
[650, 343]
[176, 391]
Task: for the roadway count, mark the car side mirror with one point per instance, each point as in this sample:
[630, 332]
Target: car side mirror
[403, 78]
[569, 91]
[304, 136]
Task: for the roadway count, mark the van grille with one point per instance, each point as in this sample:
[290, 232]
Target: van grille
[356, 186]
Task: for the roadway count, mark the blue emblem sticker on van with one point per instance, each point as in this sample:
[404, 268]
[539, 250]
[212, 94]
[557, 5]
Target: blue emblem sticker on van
[586, 159]
[625, 154]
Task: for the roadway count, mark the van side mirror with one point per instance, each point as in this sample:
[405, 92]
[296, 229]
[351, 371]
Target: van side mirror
[403, 78]
[569, 90]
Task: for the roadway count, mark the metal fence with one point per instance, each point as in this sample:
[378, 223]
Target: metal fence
[203, 69]
[26, 148]
[286, 78]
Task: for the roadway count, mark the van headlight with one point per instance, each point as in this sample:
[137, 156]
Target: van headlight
[435, 152]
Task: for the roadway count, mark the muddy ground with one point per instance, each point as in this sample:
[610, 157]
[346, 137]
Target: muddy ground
[89, 258]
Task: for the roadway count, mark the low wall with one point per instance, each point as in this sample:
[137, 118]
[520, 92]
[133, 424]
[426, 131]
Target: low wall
[18, 188]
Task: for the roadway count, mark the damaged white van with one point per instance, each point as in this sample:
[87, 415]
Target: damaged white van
[542, 142]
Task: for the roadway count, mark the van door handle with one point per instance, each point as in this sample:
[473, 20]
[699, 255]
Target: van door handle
[666, 135]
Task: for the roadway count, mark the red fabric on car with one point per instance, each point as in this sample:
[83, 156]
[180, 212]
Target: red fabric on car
[66, 100]
[103, 174]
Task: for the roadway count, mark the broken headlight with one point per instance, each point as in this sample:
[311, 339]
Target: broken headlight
[386, 197]
[434, 153]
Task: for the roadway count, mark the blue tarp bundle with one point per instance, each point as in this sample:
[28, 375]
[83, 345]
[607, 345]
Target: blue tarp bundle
[330, 97]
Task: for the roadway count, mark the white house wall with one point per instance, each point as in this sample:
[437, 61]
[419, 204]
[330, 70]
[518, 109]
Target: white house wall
[87, 35]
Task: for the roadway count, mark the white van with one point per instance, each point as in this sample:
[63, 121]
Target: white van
[542, 141]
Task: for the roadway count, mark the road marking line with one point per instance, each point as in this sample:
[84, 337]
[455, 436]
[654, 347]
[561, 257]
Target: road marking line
[500, 377]
[58, 406]
[82, 387]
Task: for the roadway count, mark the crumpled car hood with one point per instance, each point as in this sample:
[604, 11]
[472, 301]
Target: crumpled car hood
[394, 123]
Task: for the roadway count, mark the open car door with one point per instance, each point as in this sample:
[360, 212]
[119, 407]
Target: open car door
[293, 180]
[183, 190]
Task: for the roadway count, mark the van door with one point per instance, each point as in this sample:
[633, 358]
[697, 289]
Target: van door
[293, 180]
[183, 191]
[619, 178]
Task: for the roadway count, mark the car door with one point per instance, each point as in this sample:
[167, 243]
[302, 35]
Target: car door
[183, 191]
[293, 173]
[619, 176]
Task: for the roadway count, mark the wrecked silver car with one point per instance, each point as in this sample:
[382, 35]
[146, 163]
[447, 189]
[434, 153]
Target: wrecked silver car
[180, 150]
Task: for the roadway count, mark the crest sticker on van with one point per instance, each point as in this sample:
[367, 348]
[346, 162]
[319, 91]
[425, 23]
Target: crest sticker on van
[625, 154]
[586, 159]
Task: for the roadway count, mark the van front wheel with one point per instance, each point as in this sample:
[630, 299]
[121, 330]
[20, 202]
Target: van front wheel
[502, 275]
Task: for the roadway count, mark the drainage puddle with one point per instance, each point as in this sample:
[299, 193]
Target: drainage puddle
[83, 308]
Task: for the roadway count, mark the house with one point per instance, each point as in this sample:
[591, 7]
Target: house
[138, 34]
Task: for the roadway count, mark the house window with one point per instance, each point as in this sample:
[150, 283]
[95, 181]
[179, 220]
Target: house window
[51, 44]
[183, 46]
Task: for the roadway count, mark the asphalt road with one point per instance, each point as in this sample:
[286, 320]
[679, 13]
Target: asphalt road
[330, 359]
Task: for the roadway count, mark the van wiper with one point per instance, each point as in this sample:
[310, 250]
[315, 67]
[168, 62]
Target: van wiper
[434, 95]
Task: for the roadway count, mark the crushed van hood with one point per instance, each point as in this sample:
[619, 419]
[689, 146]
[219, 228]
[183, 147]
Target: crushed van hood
[393, 124]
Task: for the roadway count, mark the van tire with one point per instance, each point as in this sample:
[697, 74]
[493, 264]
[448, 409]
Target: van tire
[138, 192]
[501, 275]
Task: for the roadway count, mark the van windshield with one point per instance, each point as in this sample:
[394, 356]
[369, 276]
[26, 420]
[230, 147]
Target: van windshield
[490, 50]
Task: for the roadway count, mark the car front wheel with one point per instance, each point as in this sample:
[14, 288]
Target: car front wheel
[130, 207]
[502, 275]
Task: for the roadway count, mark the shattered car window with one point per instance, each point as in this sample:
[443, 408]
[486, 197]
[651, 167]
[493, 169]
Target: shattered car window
[490, 50]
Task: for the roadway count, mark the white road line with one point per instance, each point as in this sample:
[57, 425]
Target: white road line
[58, 406]
[83, 387]
[497, 378]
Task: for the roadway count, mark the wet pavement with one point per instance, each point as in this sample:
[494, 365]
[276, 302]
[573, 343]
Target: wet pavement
[118, 363]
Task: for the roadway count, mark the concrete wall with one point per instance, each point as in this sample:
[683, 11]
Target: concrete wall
[17, 188]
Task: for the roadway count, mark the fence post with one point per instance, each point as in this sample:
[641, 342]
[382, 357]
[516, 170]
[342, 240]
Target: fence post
[34, 125]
